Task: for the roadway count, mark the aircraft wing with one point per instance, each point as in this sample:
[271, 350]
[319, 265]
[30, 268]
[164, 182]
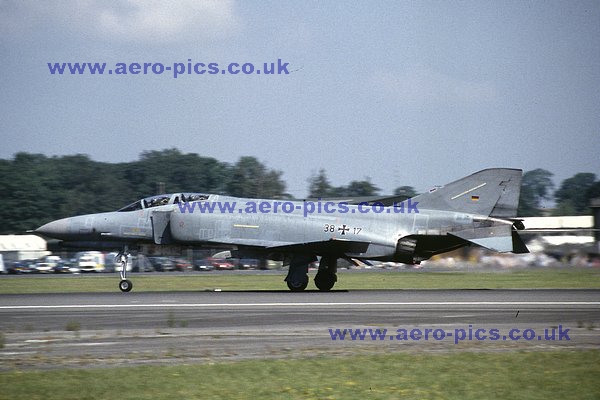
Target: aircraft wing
[332, 246]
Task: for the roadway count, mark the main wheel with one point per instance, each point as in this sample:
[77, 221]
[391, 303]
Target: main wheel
[125, 285]
[298, 286]
[325, 281]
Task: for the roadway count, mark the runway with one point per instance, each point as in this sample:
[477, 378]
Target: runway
[53, 330]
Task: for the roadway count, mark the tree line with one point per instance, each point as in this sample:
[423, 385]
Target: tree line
[572, 197]
[36, 188]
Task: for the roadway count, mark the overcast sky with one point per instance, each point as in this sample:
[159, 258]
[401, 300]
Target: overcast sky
[406, 93]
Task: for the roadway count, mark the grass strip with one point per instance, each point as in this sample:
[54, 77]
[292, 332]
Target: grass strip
[511, 375]
[567, 278]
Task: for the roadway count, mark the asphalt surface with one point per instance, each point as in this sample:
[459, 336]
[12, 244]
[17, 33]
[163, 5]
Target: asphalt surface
[116, 329]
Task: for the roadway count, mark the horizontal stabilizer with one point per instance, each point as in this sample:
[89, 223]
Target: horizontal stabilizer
[502, 244]
[497, 238]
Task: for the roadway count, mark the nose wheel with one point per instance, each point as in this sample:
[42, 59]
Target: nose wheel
[125, 285]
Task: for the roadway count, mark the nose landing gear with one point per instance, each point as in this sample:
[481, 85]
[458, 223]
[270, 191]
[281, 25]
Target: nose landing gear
[125, 285]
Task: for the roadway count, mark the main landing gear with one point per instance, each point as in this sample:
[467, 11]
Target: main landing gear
[125, 284]
[297, 277]
[326, 276]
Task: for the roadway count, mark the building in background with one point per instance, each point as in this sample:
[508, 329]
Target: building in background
[22, 247]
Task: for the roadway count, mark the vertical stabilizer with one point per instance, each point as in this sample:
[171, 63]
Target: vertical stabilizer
[492, 192]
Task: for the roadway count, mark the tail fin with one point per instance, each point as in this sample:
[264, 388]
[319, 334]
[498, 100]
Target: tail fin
[492, 192]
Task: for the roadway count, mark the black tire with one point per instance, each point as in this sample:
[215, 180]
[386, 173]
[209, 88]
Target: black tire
[298, 286]
[325, 281]
[125, 285]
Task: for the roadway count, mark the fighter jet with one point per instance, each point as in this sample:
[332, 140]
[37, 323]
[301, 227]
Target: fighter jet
[480, 209]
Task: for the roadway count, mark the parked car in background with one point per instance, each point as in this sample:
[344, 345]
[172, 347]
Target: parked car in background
[46, 265]
[21, 267]
[162, 264]
[248, 263]
[182, 265]
[203, 264]
[222, 264]
[43, 267]
[52, 260]
[65, 267]
[91, 261]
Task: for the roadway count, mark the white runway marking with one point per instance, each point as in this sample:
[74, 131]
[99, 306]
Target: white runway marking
[316, 304]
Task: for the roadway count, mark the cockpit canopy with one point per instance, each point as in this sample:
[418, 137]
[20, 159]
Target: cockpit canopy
[163, 200]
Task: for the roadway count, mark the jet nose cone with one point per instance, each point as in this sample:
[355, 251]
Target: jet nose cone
[56, 229]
